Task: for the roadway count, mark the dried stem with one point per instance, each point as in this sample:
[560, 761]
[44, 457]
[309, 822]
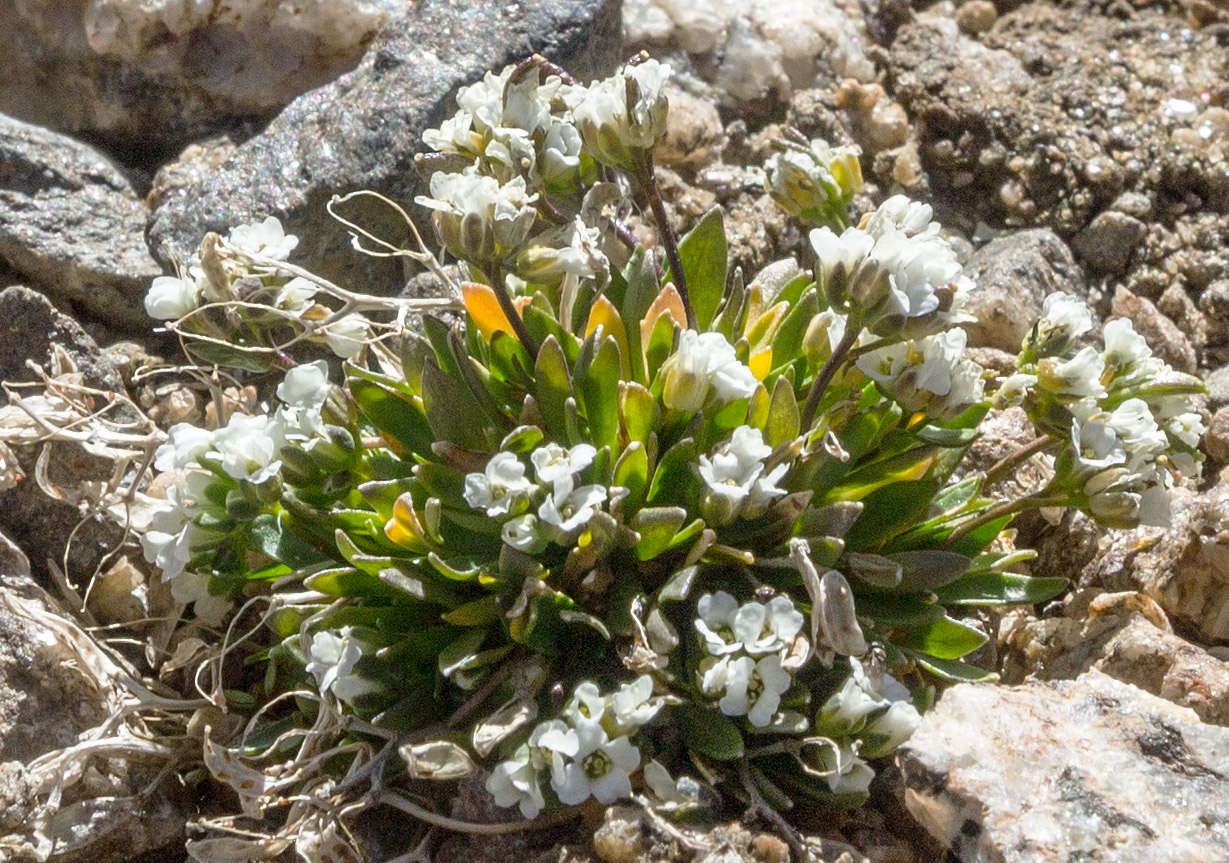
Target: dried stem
[1006, 464]
[853, 328]
[648, 180]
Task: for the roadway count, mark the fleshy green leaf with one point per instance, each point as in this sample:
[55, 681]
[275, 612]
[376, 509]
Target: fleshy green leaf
[943, 639]
[709, 732]
[704, 256]
[1000, 588]
[657, 526]
[553, 386]
[953, 670]
[598, 393]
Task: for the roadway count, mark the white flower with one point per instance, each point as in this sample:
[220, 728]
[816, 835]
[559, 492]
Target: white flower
[247, 447]
[560, 153]
[572, 249]
[1077, 378]
[455, 135]
[633, 705]
[515, 783]
[875, 707]
[887, 731]
[929, 375]
[333, 657]
[769, 628]
[184, 443]
[170, 298]
[623, 114]
[263, 238]
[847, 773]
[898, 271]
[296, 296]
[497, 218]
[704, 363]
[522, 533]
[1177, 415]
[1133, 423]
[173, 533]
[601, 768]
[1014, 389]
[1095, 446]
[192, 588]
[552, 463]
[733, 472]
[346, 335]
[567, 509]
[1063, 320]
[305, 386]
[1127, 355]
[587, 704]
[752, 689]
[809, 183]
[716, 622]
[500, 487]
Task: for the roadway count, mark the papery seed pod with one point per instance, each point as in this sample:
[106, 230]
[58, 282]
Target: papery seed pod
[838, 618]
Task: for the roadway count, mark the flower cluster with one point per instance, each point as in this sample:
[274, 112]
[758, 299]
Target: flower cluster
[1125, 418]
[503, 490]
[752, 649]
[587, 753]
[894, 273]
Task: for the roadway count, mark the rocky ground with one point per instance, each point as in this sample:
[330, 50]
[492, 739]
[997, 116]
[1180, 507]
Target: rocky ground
[1079, 146]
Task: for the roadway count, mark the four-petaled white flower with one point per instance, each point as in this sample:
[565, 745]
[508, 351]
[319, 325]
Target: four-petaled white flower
[704, 363]
[1078, 377]
[735, 475]
[522, 533]
[769, 628]
[333, 657]
[247, 447]
[622, 115]
[265, 238]
[874, 707]
[515, 783]
[172, 534]
[747, 687]
[184, 443]
[633, 705]
[567, 510]
[476, 216]
[601, 767]
[552, 463]
[716, 623]
[1095, 446]
[500, 487]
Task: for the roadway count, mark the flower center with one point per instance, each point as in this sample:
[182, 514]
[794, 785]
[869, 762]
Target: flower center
[596, 764]
[755, 688]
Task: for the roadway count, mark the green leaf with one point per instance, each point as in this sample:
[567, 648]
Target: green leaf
[709, 732]
[1000, 588]
[929, 568]
[415, 585]
[553, 386]
[784, 419]
[462, 652]
[656, 526]
[479, 612]
[943, 639]
[632, 472]
[638, 410]
[642, 288]
[399, 418]
[887, 510]
[787, 343]
[347, 581]
[946, 437]
[894, 609]
[230, 357]
[451, 409]
[522, 440]
[704, 256]
[661, 343]
[598, 394]
[953, 670]
[673, 475]
[678, 586]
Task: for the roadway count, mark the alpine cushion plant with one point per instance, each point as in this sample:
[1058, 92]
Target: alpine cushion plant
[627, 517]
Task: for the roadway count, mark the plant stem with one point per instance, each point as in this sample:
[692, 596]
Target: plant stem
[1006, 507]
[668, 240]
[510, 312]
[853, 328]
[1008, 462]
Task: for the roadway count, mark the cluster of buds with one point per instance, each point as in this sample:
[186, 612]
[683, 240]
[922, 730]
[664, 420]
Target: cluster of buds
[814, 182]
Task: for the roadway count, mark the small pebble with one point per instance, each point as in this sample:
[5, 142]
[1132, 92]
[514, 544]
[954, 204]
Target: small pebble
[976, 16]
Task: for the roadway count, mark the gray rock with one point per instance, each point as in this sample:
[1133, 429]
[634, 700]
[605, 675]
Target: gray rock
[146, 78]
[1109, 240]
[1216, 438]
[1014, 274]
[29, 328]
[71, 224]
[1084, 770]
[1217, 383]
[1127, 636]
[362, 131]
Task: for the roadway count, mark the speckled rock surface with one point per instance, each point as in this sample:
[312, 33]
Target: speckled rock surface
[1184, 567]
[145, 77]
[362, 131]
[1085, 770]
[71, 223]
[1103, 125]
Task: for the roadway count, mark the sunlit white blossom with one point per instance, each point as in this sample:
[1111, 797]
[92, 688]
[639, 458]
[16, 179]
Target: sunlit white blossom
[306, 385]
[185, 442]
[500, 487]
[704, 364]
[1064, 319]
[333, 657]
[623, 114]
[522, 533]
[346, 335]
[247, 447]
[567, 510]
[1076, 378]
[633, 705]
[515, 783]
[265, 238]
[476, 216]
[601, 768]
[172, 297]
[748, 687]
[552, 463]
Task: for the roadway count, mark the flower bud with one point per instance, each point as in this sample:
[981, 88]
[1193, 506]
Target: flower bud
[625, 115]
[815, 184]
